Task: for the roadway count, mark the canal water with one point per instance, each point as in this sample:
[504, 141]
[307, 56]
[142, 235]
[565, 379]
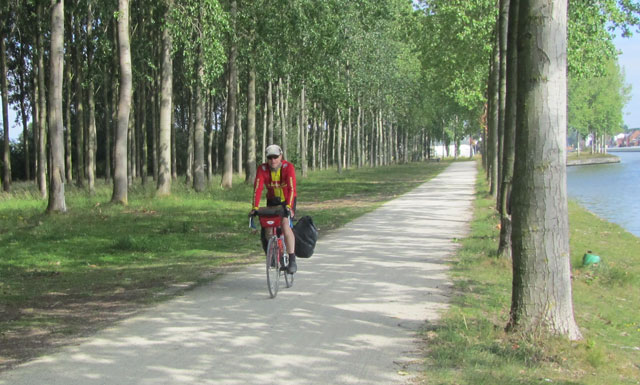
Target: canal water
[611, 191]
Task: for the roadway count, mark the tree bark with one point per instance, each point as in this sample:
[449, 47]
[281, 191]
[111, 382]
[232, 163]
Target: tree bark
[42, 109]
[6, 155]
[504, 247]
[492, 123]
[91, 131]
[120, 178]
[199, 182]
[67, 113]
[227, 173]
[339, 144]
[270, 115]
[56, 188]
[502, 88]
[541, 294]
[304, 131]
[166, 94]
[79, 162]
[251, 124]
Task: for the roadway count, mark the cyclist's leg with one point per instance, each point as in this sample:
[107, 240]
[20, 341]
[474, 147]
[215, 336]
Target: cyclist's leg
[289, 238]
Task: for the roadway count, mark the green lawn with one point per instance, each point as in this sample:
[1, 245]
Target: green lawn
[66, 275]
[470, 346]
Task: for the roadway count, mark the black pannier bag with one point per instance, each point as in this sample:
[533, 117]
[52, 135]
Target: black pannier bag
[306, 236]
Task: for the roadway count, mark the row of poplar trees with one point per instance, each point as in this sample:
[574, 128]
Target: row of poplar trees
[531, 63]
[154, 89]
[157, 89]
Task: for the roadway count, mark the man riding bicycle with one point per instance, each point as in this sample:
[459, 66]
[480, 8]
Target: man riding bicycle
[280, 178]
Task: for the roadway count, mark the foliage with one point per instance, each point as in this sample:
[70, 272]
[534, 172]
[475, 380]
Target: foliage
[596, 102]
[197, 27]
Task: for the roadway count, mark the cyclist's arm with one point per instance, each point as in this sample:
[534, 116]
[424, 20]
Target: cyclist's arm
[290, 191]
[258, 185]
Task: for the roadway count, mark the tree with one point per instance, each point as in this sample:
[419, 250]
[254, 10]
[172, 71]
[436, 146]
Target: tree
[120, 178]
[511, 77]
[41, 106]
[596, 101]
[6, 158]
[166, 105]
[57, 178]
[541, 293]
[227, 173]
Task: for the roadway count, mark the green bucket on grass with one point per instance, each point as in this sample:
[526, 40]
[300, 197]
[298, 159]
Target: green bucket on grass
[589, 259]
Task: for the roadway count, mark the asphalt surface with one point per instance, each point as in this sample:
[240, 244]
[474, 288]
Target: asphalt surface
[352, 316]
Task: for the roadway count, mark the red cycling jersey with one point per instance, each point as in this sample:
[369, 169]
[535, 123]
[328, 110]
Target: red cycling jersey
[280, 184]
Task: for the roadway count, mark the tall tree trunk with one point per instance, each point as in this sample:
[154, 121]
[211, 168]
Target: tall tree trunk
[79, 84]
[25, 133]
[270, 112]
[191, 130]
[166, 106]
[492, 123]
[131, 145]
[304, 131]
[339, 144]
[209, 127]
[6, 155]
[264, 131]
[359, 135]
[144, 148]
[199, 182]
[504, 247]
[91, 131]
[67, 113]
[56, 187]
[314, 135]
[154, 127]
[251, 124]
[502, 89]
[541, 297]
[283, 123]
[120, 178]
[227, 173]
[239, 152]
[42, 108]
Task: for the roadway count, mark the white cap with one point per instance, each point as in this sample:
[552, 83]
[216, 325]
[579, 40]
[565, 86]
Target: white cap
[273, 150]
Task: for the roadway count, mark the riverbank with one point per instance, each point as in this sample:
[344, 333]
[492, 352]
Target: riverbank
[624, 149]
[469, 346]
[584, 159]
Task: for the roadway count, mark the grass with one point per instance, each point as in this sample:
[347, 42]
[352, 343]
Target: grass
[66, 275]
[587, 154]
[469, 345]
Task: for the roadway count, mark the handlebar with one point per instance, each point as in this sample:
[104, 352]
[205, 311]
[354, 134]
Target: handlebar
[266, 211]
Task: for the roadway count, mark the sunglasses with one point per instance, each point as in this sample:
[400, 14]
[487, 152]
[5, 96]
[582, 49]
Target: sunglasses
[271, 157]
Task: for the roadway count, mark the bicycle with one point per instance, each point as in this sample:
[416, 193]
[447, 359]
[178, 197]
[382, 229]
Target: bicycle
[277, 258]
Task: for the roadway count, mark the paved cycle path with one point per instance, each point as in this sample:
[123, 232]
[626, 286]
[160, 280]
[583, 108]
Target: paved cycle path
[351, 318]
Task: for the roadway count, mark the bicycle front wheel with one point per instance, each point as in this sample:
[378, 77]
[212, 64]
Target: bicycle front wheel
[273, 267]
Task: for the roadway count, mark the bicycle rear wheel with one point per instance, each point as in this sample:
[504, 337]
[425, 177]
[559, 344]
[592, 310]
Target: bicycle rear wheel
[273, 267]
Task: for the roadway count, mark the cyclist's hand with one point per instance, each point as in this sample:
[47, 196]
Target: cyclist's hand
[253, 213]
[288, 212]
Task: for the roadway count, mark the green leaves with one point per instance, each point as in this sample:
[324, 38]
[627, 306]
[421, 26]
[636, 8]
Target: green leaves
[197, 28]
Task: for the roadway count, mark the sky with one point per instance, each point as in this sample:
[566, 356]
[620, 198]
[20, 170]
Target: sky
[629, 60]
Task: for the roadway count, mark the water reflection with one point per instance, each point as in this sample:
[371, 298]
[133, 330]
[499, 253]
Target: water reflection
[609, 190]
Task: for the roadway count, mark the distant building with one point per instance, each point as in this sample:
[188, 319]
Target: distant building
[630, 139]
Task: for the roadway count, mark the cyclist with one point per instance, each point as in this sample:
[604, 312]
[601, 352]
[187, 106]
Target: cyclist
[280, 178]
